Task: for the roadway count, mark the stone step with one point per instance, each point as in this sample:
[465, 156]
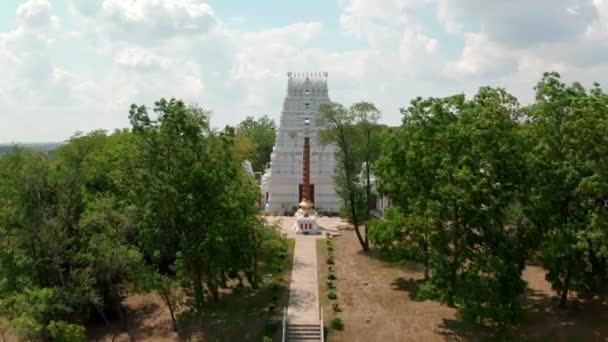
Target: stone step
[303, 338]
[307, 325]
[312, 327]
[303, 332]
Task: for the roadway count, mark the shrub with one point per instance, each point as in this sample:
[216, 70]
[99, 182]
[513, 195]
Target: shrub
[336, 323]
[330, 269]
[331, 294]
[61, 331]
[336, 307]
[330, 260]
[267, 339]
[184, 323]
[330, 248]
[331, 276]
[330, 285]
[274, 284]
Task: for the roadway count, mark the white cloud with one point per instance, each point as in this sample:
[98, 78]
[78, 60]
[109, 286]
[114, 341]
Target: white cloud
[140, 58]
[35, 14]
[522, 23]
[157, 19]
[445, 18]
[147, 49]
[482, 58]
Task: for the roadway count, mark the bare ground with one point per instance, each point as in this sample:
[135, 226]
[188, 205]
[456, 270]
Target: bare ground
[378, 303]
[246, 315]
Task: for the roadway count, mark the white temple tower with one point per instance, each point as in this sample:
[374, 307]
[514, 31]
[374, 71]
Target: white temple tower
[281, 183]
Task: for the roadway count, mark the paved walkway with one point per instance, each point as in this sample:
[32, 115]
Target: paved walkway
[304, 291]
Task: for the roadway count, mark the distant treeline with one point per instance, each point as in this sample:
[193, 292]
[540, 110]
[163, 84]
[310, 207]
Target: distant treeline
[40, 147]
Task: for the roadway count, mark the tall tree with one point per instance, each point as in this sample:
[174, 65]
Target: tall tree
[453, 169]
[339, 123]
[367, 115]
[199, 205]
[569, 164]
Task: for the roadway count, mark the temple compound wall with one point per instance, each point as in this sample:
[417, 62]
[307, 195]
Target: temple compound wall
[281, 183]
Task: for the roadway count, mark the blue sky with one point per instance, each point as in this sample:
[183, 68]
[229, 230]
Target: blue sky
[77, 65]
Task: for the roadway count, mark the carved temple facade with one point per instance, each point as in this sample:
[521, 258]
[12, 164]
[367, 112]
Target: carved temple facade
[282, 185]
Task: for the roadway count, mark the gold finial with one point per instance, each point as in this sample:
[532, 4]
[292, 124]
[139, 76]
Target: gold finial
[305, 206]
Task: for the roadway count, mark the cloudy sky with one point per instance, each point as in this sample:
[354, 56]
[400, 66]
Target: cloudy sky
[77, 65]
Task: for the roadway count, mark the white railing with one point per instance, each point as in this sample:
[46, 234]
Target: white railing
[321, 324]
[284, 325]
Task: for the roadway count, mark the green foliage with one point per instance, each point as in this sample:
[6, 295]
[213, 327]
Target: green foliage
[274, 284]
[568, 165]
[68, 238]
[64, 332]
[261, 133]
[336, 323]
[330, 285]
[199, 204]
[331, 294]
[154, 208]
[336, 307]
[453, 170]
[330, 260]
[340, 130]
[267, 339]
[331, 276]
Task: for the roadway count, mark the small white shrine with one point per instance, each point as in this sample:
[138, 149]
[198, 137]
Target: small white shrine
[282, 187]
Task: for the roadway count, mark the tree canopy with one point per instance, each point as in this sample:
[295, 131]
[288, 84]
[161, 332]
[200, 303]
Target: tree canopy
[161, 206]
[481, 185]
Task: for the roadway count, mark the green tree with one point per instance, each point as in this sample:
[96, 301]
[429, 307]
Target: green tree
[340, 130]
[261, 134]
[453, 170]
[366, 117]
[569, 160]
[66, 245]
[199, 204]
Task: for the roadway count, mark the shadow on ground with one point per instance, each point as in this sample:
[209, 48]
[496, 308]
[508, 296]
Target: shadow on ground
[410, 286]
[544, 321]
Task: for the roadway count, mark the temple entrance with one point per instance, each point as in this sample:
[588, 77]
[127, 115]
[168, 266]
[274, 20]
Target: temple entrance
[312, 193]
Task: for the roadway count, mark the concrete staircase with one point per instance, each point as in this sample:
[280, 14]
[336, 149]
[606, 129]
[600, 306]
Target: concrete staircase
[304, 333]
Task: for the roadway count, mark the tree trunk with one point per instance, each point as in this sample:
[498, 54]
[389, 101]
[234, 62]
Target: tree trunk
[123, 318]
[199, 292]
[167, 297]
[102, 314]
[564, 297]
[353, 203]
[212, 285]
[368, 190]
